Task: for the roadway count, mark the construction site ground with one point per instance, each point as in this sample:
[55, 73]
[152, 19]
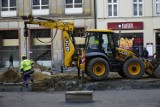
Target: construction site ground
[52, 81]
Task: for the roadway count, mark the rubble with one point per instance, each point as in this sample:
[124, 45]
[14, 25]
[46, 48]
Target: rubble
[38, 67]
[69, 81]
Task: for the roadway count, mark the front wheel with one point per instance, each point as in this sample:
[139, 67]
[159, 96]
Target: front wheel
[98, 68]
[133, 68]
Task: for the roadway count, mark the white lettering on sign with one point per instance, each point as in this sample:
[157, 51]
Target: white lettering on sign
[67, 45]
[127, 26]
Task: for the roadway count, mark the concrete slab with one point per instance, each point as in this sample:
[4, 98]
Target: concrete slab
[78, 96]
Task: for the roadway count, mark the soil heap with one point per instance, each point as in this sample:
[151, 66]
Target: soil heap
[11, 76]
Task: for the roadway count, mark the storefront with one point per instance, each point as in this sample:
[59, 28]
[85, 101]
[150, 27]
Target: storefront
[158, 42]
[9, 45]
[136, 37]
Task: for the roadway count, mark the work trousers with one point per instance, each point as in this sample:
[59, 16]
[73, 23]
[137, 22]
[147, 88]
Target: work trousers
[26, 76]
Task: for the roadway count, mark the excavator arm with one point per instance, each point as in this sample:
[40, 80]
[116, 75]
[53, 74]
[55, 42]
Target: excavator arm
[67, 29]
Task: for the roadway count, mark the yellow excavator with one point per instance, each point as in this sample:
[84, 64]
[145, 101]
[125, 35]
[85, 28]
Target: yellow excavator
[101, 53]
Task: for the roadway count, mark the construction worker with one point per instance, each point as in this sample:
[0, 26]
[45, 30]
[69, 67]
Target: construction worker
[11, 61]
[145, 53]
[26, 66]
[95, 44]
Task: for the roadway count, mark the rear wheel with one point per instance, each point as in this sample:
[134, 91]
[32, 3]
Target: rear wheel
[133, 68]
[98, 69]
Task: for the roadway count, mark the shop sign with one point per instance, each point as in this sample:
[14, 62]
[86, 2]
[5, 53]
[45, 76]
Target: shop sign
[125, 25]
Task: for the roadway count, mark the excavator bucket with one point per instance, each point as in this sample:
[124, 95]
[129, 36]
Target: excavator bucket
[148, 67]
[156, 72]
[152, 67]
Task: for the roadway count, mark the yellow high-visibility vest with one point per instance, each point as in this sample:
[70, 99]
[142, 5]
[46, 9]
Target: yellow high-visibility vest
[26, 65]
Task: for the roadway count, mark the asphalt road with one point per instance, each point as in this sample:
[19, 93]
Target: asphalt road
[108, 98]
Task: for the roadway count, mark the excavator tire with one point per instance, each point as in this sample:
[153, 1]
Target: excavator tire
[156, 73]
[133, 68]
[98, 68]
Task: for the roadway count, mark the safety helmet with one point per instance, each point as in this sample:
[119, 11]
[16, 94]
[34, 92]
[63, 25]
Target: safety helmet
[24, 57]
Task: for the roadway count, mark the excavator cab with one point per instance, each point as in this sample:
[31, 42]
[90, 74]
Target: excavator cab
[102, 41]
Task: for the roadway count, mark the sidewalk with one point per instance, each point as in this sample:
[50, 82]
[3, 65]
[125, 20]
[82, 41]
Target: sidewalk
[108, 98]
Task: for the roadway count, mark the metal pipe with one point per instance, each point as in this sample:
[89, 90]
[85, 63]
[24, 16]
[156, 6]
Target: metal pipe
[95, 14]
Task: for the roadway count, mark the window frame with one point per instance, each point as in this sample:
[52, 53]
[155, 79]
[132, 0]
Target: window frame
[9, 12]
[73, 9]
[112, 4]
[40, 10]
[139, 12]
[157, 3]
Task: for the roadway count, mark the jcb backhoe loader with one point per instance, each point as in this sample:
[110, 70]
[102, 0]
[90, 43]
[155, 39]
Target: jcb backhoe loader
[100, 57]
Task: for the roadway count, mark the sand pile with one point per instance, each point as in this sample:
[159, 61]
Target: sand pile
[11, 75]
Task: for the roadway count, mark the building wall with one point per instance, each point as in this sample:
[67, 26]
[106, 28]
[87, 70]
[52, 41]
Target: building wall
[56, 11]
[125, 14]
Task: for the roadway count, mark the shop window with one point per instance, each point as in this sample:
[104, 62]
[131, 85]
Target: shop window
[9, 45]
[40, 7]
[73, 7]
[40, 50]
[158, 42]
[41, 33]
[112, 8]
[8, 8]
[9, 34]
[137, 41]
[79, 32]
[137, 7]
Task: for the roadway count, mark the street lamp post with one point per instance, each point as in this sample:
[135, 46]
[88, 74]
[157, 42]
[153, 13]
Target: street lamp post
[95, 14]
[26, 35]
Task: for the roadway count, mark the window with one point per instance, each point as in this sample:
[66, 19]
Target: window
[73, 7]
[41, 33]
[41, 50]
[158, 7]
[8, 8]
[137, 8]
[40, 7]
[9, 45]
[112, 7]
[79, 32]
[9, 34]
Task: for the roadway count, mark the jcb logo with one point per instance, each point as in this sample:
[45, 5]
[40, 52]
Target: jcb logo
[67, 45]
[123, 52]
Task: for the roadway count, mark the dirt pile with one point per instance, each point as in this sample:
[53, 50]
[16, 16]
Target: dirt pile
[39, 76]
[11, 75]
[64, 76]
[42, 82]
